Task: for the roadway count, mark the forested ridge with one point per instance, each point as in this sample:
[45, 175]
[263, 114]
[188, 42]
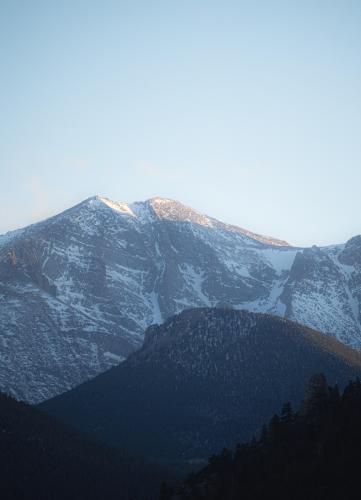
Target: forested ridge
[202, 381]
[312, 454]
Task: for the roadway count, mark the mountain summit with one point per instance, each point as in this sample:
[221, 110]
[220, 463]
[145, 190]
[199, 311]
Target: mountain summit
[171, 210]
[78, 290]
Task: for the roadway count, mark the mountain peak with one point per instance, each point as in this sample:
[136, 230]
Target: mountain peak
[115, 205]
[158, 200]
[168, 209]
[172, 210]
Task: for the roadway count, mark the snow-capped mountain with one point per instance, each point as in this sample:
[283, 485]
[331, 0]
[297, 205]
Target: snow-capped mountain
[78, 290]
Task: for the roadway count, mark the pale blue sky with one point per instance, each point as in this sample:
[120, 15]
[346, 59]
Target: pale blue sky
[247, 111]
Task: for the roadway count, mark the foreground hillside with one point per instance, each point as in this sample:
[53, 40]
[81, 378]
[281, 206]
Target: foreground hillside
[314, 454]
[41, 459]
[202, 380]
[78, 290]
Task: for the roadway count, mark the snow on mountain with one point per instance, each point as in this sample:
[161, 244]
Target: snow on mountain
[78, 290]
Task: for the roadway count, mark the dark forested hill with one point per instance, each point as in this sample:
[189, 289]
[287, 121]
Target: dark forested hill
[41, 459]
[314, 454]
[202, 380]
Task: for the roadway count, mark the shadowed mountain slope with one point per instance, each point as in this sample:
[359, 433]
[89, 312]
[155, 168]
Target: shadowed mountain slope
[202, 380]
[41, 459]
[313, 454]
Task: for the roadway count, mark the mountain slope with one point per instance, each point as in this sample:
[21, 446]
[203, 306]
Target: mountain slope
[312, 454]
[41, 459]
[204, 379]
[78, 290]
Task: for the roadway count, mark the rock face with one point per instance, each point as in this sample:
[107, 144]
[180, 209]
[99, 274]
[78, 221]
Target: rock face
[78, 290]
[205, 379]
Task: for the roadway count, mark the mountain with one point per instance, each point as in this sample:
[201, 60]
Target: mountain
[313, 454]
[41, 459]
[203, 380]
[78, 290]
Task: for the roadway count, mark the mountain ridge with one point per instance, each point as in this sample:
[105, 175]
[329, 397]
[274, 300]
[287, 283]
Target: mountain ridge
[78, 290]
[202, 380]
[171, 210]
